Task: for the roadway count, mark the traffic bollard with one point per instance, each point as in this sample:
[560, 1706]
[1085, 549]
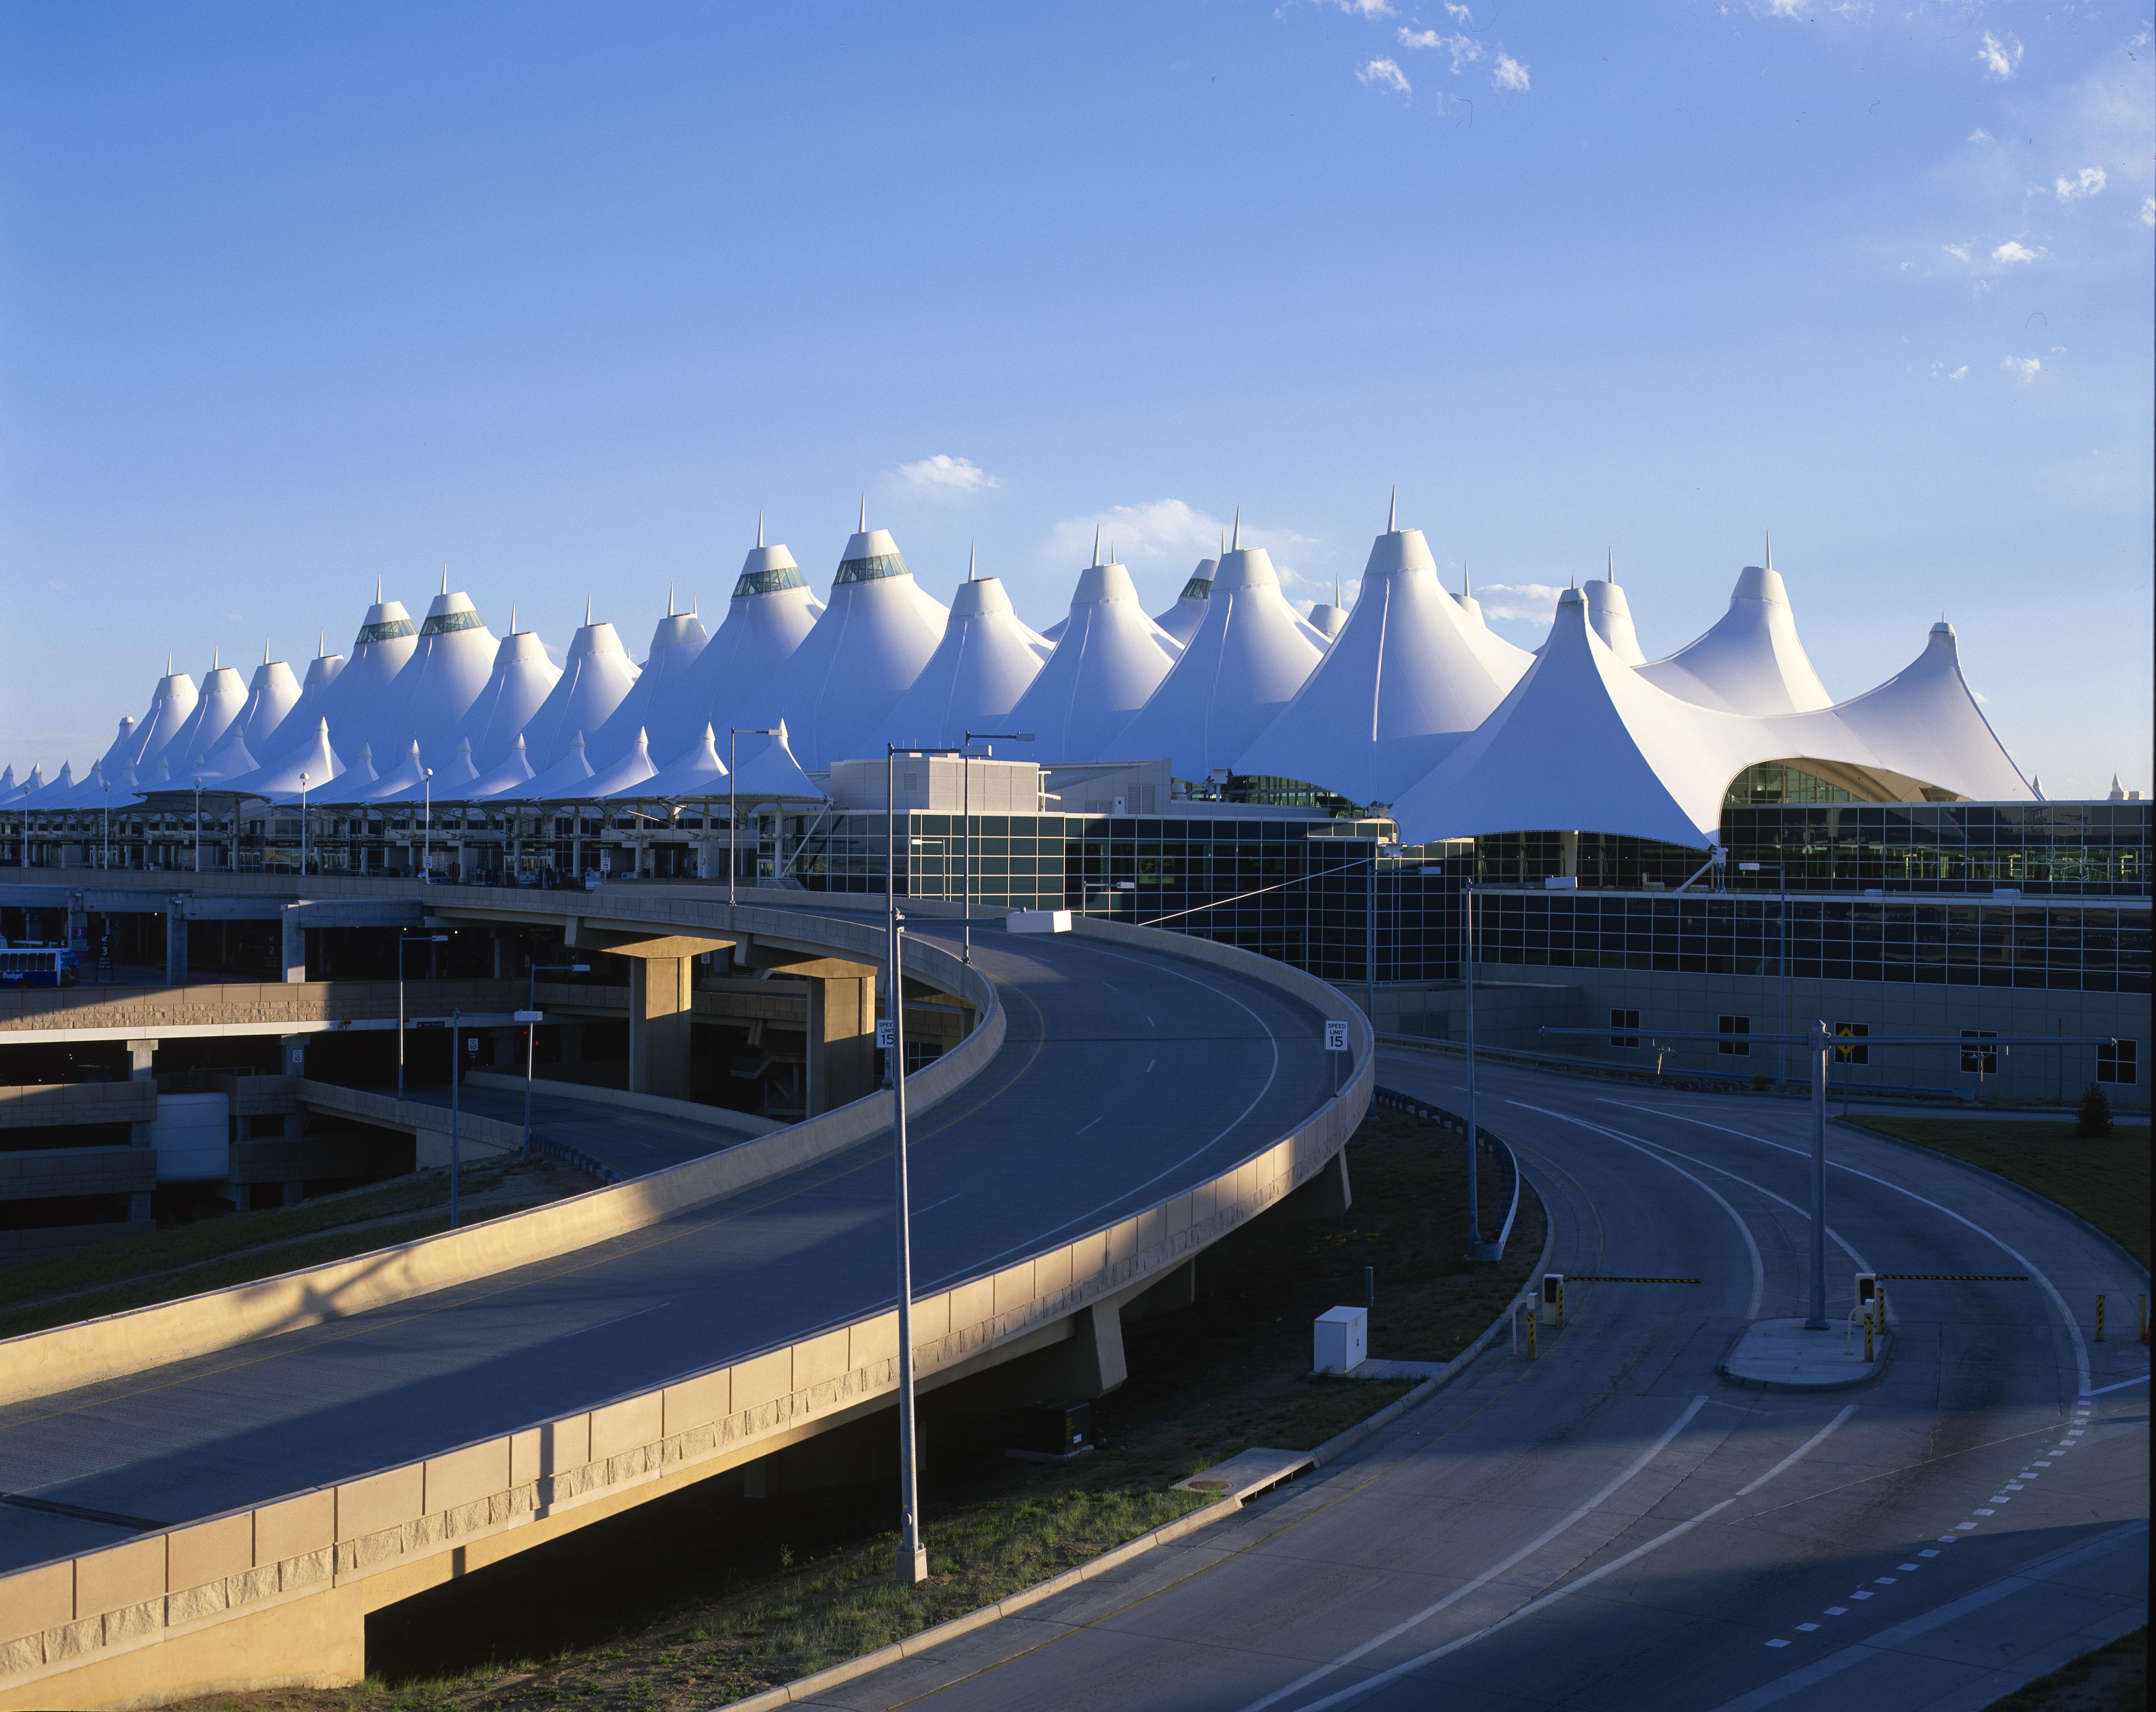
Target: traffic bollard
[1560, 1301]
[2099, 1319]
[1534, 1319]
[1867, 1334]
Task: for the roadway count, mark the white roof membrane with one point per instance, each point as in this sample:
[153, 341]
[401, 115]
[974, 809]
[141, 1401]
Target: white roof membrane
[1611, 616]
[1242, 665]
[1924, 723]
[771, 613]
[385, 643]
[1181, 620]
[1751, 661]
[986, 660]
[517, 689]
[1404, 684]
[675, 643]
[1108, 662]
[595, 681]
[217, 710]
[429, 698]
[273, 693]
[170, 704]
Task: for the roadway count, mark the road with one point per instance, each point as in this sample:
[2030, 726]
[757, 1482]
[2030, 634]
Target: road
[1616, 1526]
[1122, 1077]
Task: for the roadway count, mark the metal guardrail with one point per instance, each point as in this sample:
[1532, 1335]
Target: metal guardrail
[575, 1158]
[1495, 1145]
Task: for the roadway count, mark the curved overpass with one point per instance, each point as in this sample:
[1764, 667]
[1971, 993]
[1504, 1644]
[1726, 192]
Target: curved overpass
[1147, 1094]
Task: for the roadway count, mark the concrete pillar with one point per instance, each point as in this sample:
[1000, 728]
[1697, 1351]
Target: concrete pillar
[141, 1066]
[1325, 1195]
[295, 958]
[292, 1057]
[841, 1039]
[176, 942]
[77, 927]
[659, 999]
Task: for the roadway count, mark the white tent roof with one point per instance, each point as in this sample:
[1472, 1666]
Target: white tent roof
[272, 694]
[1751, 660]
[1611, 616]
[410, 773]
[1924, 722]
[675, 643]
[769, 772]
[1244, 663]
[217, 710]
[280, 783]
[384, 646]
[863, 654]
[66, 791]
[522, 679]
[229, 760]
[25, 789]
[114, 758]
[699, 773]
[49, 793]
[89, 792]
[564, 781]
[986, 658]
[453, 781]
[1328, 620]
[1181, 620]
[1585, 741]
[622, 776]
[440, 681]
[298, 720]
[593, 684]
[1402, 684]
[506, 777]
[1110, 661]
[170, 704]
[770, 614]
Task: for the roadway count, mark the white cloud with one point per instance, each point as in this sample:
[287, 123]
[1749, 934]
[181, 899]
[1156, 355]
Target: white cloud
[1465, 50]
[1940, 371]
[2081, 187]
[1365, 8]
[1535, 602]
[1997, 57]
[57, 586]
[2024, 369]
[1508, 74]
[1959, 252]
[1785, 9]
[1385, 73]
[1978, 135]
[2149, 210]
[948, 474]
[2013, 250]
[1458, 14]
[1161, 531]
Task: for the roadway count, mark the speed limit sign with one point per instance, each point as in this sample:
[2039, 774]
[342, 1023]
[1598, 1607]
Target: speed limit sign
[1336, 1036]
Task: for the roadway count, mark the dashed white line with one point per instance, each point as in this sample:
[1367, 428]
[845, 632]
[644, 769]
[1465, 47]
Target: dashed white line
[1083, 1128]
[618, 1319]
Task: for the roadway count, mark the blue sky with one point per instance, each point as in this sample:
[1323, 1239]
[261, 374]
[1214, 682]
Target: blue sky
[562, 295]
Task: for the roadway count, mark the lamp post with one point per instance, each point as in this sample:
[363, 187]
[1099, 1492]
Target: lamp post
[1474, 1135]
[426, 835]
[1781, 962]
[104, 789]
[1379, 846]
[403, 941]
[303, 825]
[456, 1082]
[531, 1037]
[966, 816]
[733, 752]
[199, 823]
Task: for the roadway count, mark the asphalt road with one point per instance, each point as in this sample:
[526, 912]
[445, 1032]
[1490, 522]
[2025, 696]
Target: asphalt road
[1122, 1077]
[1614, 1525]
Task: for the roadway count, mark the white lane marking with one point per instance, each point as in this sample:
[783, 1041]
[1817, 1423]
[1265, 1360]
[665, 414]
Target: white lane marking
[1083, 1128]
[1887, 1640]
[1272, 1074]
[933, 1205]
[1751, 1243]
[2058, 1302]
[618, 1319]
[1797, 1454]
[1397, 1671]
[1495, 1570]
[1150, 1023]
[1837, 1611]
[1808, 1628]
[1778, 1643]
[2120, 1387]
[1150, 1062]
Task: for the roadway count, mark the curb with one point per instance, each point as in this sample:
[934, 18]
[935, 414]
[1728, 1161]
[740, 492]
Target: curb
[2035, 1197]
[1876, 1370]
[1220, 1510]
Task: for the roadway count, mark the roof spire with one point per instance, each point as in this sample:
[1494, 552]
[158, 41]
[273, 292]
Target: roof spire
[972, 553]
[1336, 587]
[512, 618]
[759, 526]
[378, 590]
[1770, 556]
[1393, 512]
[1096, 543]
[446, 579]
[321, 644]
[670, 600]
[265, 651]
[1239, 529]
[1611, 577]
[864, 511]
[588, 612]
[217, 658]
[1466, 583]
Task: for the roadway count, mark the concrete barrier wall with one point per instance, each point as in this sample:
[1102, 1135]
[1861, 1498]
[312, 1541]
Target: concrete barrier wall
[40, 1103]
[40, 1363]
[55, 1617]
[718, 1116]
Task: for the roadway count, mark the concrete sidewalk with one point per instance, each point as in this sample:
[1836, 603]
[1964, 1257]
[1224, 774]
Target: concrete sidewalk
[1780, 1355]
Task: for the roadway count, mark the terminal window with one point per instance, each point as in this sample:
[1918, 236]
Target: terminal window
[1852, 1055]
[1624, 1019]
[2115, 1062]
[1979, 1061]
[1733, 1030]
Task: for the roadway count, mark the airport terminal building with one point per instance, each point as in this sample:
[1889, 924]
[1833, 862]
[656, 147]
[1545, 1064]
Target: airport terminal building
[1706, 842]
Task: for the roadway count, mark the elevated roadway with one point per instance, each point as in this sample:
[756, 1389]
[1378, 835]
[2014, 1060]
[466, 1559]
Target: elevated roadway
[1141, 1103]
[1615, 1525]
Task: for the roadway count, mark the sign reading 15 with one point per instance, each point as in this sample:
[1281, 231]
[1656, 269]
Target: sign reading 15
[1336, 1036]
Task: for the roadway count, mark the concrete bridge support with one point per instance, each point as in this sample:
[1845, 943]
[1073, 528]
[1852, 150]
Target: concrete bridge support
[660, 995]
[176, 942]
[841, 1021]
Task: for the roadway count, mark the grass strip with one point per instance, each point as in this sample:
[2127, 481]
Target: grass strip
[2105, 1181]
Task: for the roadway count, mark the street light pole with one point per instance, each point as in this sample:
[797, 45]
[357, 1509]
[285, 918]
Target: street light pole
[1474, 1135]
[303, 825]
[912, 1555]
[456, 1082]
[403, 941]
[531, 1038]
[966, 820]
[198, 824]
[427, 836]
[1820, 1044]
[734, 733]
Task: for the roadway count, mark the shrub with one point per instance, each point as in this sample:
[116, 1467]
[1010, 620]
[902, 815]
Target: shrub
[2094, 1119]
[1761, 1082]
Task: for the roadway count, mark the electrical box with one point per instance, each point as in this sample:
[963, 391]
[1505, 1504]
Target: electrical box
[1038, 921]
[1340, 1339]
[1867, 1290]
[1552, 1288]
[1057, 1429]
